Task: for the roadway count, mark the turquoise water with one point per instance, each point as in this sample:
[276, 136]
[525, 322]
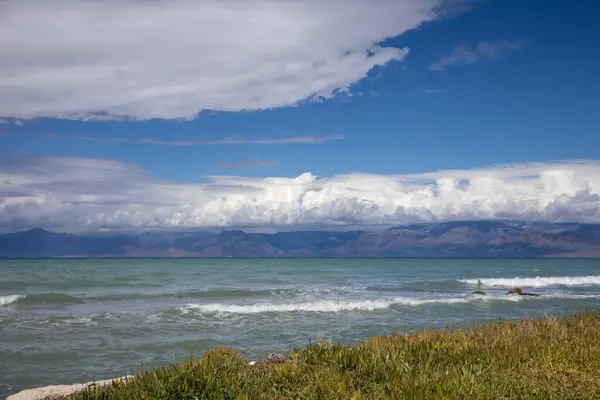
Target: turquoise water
[67, 321]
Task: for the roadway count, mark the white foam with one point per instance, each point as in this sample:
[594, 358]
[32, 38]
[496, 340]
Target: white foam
[537, 281]
[87, 321]
[317, 306]
[11, 298]
[500, 297]
[542, 296]
[72, 320]
[572, 296]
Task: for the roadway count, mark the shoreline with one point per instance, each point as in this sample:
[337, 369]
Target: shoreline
[500, 359]
[59, 392]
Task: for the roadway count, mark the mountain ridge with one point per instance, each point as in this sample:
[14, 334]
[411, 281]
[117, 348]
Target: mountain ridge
[445, 239]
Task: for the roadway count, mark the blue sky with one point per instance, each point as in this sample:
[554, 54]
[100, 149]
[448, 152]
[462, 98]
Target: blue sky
[493, 82]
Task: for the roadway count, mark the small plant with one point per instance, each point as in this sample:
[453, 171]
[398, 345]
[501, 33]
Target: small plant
[550, 358]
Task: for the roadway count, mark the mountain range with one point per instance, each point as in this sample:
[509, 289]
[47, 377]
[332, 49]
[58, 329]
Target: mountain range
[447, 239]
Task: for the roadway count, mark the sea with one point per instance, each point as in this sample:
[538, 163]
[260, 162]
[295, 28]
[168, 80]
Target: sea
[66, 321]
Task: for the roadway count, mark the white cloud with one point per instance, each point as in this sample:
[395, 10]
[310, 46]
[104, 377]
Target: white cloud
[434, 91]
[107, 59]
[466, 54]
[15, 122]
[84, 194]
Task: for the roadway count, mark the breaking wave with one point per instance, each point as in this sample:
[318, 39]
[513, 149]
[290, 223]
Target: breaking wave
[537, 281]
[39, 299]
[11, 298]
[318, 306]
[332, 306]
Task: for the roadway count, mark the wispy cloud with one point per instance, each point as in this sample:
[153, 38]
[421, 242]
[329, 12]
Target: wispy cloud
[3, 121]
[247, 164]
[467, 54]
[309, 139]
[434, 91]
[229, 140]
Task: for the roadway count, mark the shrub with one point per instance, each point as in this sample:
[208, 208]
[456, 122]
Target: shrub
[551, 358]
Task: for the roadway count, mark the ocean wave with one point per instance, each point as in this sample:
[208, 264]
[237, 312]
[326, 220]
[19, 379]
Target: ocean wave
[226, 293]
[324, 306]
[383, 288]
[571, 296]
[537, 281]
[198, 294]
[71, 320]
[333, 306]
[9, 299]
[39, 299]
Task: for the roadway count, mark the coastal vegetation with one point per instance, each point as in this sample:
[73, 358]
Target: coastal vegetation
[549, 358]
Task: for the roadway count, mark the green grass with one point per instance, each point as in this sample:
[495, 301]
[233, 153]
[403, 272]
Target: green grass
[551, 358]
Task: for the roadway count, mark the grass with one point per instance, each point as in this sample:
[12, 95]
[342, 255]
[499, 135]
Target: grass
[551, 358]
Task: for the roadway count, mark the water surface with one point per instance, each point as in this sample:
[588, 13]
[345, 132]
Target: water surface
[67, 321]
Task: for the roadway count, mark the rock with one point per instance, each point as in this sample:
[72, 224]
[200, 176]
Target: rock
[276, 358]
[61, 391]
[520, 292]
[479, 292]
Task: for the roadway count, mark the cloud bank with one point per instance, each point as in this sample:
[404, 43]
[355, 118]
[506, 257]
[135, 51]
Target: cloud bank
[467, 54]
[79, 194]
[85, 59]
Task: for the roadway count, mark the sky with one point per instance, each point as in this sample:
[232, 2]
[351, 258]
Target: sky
[137, 115]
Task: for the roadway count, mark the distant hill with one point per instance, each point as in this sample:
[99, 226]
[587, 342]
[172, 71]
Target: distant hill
[447, 239]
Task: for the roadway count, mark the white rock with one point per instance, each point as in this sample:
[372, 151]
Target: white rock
[61, 391]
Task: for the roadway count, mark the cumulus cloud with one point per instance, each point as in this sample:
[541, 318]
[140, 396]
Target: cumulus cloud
[85, 59]
[467, 54]
[247, 164]
[228, 140]
[79, 194]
